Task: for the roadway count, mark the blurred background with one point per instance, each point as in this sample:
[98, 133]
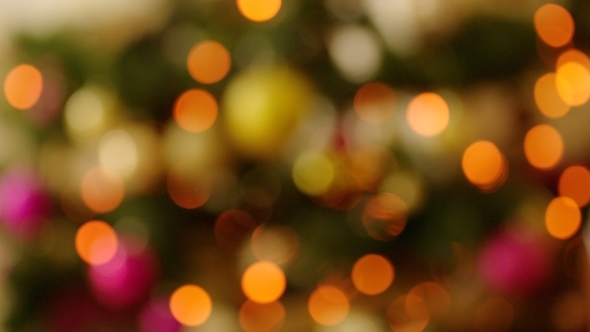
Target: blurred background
[294, 165]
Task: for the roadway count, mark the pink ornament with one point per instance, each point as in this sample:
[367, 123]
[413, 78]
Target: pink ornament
[156, 317]
[515, 261]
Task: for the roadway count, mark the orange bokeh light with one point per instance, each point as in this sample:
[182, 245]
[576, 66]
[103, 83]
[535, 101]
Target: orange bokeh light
[548, 99]
[102, 189]
[264, 282]
[562, 217]
[385, 216]
[195, 110]
[572, 81]
[188, 189]
[574, 182]
[573, 55]
[484, 165]
[554, 25]
[372, 274]
[208, 62]
[259, 10]
[437, 298]
[408, 313]
[262, 317]
[23, 86]
[96, 242]
[190, 305]
[328, 305]
[374, 102]
[278, 244]
[428, 114]
[543, 146]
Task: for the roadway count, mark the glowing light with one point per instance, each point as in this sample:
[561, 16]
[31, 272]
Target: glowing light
[495, 314]
[208, 62]
[484, 165]
[86, 111]
[385, 216]
[195, 110]
[231, 229]
[574, 182]
[190, 305]
[548, 99]
[356, 52]
[262, 317]
[437, 299]
[554, 25]
[408, 313]
[572, 80]
[259, 10]
[543, 146]
[562, 217]
[277, 244]
[374, 102]
[407, 186]
[96, 242]
[313, 172]
[263, 282]
[428, 114]
[117, 151]
[573, 55]
[372, 274]
[189, 189]
[328, 305]
[23, 86]
[102, 189]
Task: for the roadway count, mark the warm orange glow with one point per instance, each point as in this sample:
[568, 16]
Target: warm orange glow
[263, 282]
[372, 274]
[548, 99]
[428, 114]
[437, 299]
[374, 102]
[554, 25]
[385, 216]
[328, 305]
[208, 62]
[543, 146]
[562, 217]
[278, 244]
[574, 182]
[368, 165]
[96, 242]
[259, 10]
[195, 110]
[408, 313]
[262, 317]
[190, 305]
[573, 55]
[102, 189]
[23, 86]
[232, 227]
[484, 165]
[188, 189]
[572, 80]
[494, 315]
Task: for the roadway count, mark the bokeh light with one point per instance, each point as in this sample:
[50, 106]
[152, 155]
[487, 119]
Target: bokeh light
[372, 274]
[562, 217]
[385, 216]
[374, 102]
[573, 55]
[428, 114]
[554, 25]
[191, 305]
[259, 10]
[264, 282]
[278, 244]
[23, 86]
[574, 182]
[496, 314]
[548, 99]
[87, 111]
[117, 150]
[208, 62]
[408, 313]
[356, 52]
[572, 80]
[96, 242]
[231, 228]
[436, 297]
[313, 173]
[262, 317]
[188, 188]
[484, 165]
[543, 146]
[102, 189]
[195, 110]
[368, 165]
[328, 305]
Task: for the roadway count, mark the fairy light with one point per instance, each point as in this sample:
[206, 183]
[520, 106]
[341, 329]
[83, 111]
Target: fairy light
[547, 97]
[543, 146]
[263, 282]
[562, 218]
[372, 274]
[484, 165]
[428, 114]
[574, 182]
[208, 62]
[190, 305]
[195, 110]
[259, 10]
[96, 242]
[23, 86]
[328, 305]
[554, 25]
[102, 189]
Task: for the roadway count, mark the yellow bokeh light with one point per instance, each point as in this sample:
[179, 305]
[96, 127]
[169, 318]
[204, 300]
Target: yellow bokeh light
[573, 55]
[385, 216]
[264, 282]
[572, 80]
[208, 62]
[484, 165]
[262, 317]
[428, 114]
[372, 274]
[313, 173]
[188, 188]
[117, 150]
[88, 111]
[259, 10]
[562, 217]
[408, 313]
[23, 86]
[195, 110]
[374, 102]
[548, 99]
[554, 25]
[190, 305]
[437, 299]
[543, 146]
[574, 182]
[328, 305]
[102, 189]
[96, 242]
